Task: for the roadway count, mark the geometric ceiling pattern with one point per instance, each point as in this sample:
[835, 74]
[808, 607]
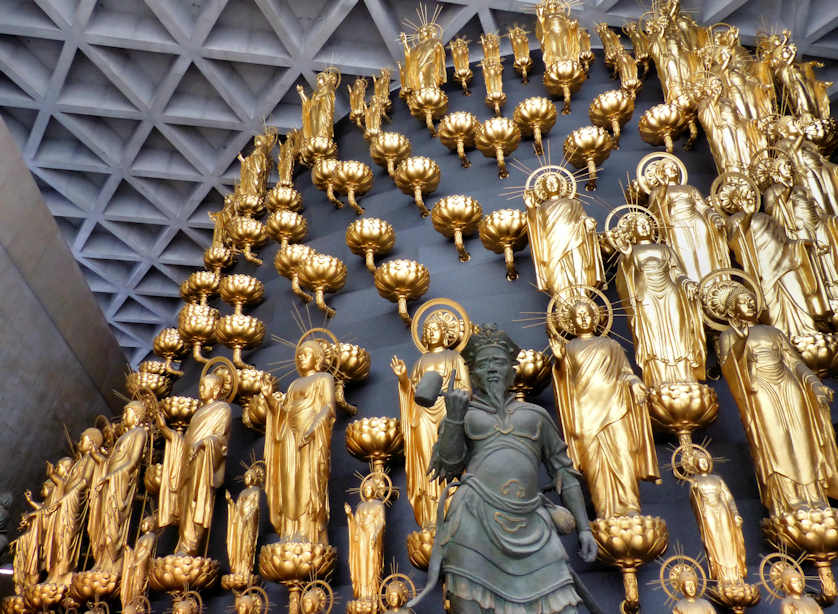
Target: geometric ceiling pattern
[130, 113]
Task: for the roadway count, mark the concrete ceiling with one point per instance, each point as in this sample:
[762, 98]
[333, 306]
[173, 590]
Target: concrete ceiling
[130, 113]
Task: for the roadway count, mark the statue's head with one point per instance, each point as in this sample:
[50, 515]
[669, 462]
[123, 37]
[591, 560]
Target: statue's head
[47, 486]
[741, 304]
[667, 172]
[429, 31]
[793, 582]
[441, 329]
[638, 226]
[688, 582]
[396, 594]
[255, 474]
[149, 523]
[491, 355]
[63, 466]
[90, 440]
[329, 78]
[133, 414]
[310, 357]
[582, 316]
[314, 600]
[214, 385]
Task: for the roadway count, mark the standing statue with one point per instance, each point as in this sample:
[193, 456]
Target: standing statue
[563, 238]
[445, 332]
[357, 93]
[424, 55]
[691, 227]
[112, 494]
[396, 590]
[601, 403]
[253, 176]
[289, 149]
[243, 529]
[732, 138]
[684, 576]
[366, 541]
[194, 461]
[135, 566]
[497, 545]
[783, 405]
[381, 90]
[67, 518]
[298, 438]
[27, 561]
[719, 524]
[319, 109]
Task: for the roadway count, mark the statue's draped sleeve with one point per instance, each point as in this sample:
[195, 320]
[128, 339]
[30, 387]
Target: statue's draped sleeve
[172, 479]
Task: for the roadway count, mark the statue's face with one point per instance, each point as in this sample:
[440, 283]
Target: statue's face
[795, 585]
[394, 596]
[62, 467]
[426, 33]
[493, 369]
[433, 335]
[702, 464]
[746, 306]
[585, 318]
[643, 227]
[689, 586]
[669, 172]
[308, 359]
[209, 388]
[131, 415]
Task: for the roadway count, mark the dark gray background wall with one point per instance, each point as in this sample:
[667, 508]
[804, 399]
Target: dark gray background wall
[480, 285]
[59, 361]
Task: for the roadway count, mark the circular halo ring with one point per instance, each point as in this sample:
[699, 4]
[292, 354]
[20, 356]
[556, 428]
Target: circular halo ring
[776, 558]
[556, 300]
[377, 474]
[149, 399]
[719, 181]
[324, 586]
[382, 591]
[552, 168]
[335, 71]
[648, 159]
[664, 579]
[322, 331]
[629, 208]
[769, 152]
[446, 302]
[721, 24]
[706, 283]
[234, 373]
[676, 463]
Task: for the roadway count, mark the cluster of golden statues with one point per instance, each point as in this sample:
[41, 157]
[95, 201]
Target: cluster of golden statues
[772, 212]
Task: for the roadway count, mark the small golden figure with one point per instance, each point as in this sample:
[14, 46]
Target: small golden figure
[601, 402]
[357, 93]
[459, 56]
[243, 529]
[563, 239]
[396, 590]
[316, 598]
[784, 579]
[288, 151]
[255, 167]
[424, 55]
[565, 48]
[319, 109]
[135, 566]
[194, 461]
[381, 90]
[493, 79]
[28, 546]
[520, 51]
[684, 576]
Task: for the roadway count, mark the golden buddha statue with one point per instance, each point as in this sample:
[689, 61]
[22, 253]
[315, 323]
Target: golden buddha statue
[784, 579]
[601, 403]
[558, 33]
[396, 590]
[424, 55]
[491, 46]
[243, 525]
[288, 151]
[366, 539]
[792, 288]
[58, 475]
[783, 405]
[357, 103]
[812, 170]
[718, 518]
[256, 166]
[691, 227]
[319, 109]
[194, 461]
[112, 492]
[298, 435]
[566, 250]
[445, 332]
[493, 80]
[664, 315]
[381, 90]
[684, 581]
[136, 561]
[27, 547]
[66, 518]
[732, 138]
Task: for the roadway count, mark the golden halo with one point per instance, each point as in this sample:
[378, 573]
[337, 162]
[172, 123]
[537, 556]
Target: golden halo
[714, 320]
[646, 163]
[719, 182]
[555, 169]
[447, 302]
[767, 153]
[669, 573]
[335, 71]
[634, 209]
[323, 331]
[382, 591]
[720, 24]
[234, 374]
[149, 399]
[377, 474]
[263, 596]
[682, 474]
[324, 586]
[777, 563]
[556, 301]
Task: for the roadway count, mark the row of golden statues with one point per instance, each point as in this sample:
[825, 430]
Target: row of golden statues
[773, 321]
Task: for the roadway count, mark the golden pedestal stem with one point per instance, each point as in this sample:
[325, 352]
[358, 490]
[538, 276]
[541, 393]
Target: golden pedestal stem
[627, 542]
[288, 261]
[322, 273]
[505, 232]
[239, 290]
[375, 440]
[660, 124]
[285, 226]
[402, 280]
[612, 109]
[588, 146]
[815, 532]
[353, 178]
[498, 137]
[429, 104]
[196, 324]
[456, 132]
[455, 216]
[417, 175]
[535, 117]
[239, 332]
[563, 78]
[323, 178]
[370, 237]
[246, 233]
[388, 149]
[352, 364]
